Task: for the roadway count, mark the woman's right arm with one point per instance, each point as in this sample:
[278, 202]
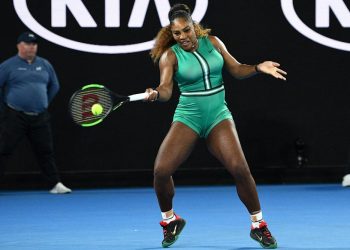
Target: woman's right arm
[163, 92]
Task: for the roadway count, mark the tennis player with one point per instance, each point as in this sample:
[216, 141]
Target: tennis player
[187, 54]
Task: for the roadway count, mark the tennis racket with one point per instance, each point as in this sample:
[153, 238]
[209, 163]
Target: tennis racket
[81, 102]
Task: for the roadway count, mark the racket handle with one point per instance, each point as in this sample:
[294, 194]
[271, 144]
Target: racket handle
[138, 97]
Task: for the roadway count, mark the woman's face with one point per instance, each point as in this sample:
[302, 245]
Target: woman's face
[184, 34]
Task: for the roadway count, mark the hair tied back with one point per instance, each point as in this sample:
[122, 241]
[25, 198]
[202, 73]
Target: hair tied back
[179, 10]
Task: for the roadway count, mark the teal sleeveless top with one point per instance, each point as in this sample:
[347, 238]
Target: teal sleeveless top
[199, 72]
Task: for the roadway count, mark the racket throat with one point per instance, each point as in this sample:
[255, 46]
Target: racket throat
[118, 105]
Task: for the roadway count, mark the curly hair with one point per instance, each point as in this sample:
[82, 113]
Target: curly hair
[164, 38]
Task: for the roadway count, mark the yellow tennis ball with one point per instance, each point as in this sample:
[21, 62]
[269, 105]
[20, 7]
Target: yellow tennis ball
[96, 109]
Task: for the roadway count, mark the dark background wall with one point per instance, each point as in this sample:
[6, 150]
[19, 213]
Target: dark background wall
[270, 115]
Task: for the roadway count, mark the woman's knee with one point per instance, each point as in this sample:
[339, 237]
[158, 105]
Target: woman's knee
[162, 172]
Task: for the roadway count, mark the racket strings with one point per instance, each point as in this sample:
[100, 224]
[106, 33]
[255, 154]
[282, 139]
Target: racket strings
[82, 102]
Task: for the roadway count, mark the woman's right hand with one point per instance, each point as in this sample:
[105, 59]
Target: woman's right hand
[152, 95]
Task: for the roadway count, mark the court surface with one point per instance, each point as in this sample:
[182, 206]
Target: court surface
[299, 216]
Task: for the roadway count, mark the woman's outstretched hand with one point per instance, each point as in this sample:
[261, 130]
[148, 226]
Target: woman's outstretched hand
[271, 68]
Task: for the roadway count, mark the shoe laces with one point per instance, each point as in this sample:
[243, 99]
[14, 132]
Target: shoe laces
[164, 226]
[165, 232]
[264, 229]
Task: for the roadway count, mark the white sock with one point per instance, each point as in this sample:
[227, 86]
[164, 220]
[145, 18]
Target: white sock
[168, 216]
[256, 219]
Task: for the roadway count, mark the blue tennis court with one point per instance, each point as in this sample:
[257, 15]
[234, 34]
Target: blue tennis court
[299, 216]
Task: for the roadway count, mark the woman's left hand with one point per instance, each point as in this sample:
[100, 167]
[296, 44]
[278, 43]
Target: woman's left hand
[271, 68]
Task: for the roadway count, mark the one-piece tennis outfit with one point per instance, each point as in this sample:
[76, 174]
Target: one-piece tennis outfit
[202, 102]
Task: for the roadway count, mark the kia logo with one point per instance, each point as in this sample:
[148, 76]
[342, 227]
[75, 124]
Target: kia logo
[85, 19]
[322, 11]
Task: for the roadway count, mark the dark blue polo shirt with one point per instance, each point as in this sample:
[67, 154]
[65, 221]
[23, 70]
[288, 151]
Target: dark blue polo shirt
[28, 87]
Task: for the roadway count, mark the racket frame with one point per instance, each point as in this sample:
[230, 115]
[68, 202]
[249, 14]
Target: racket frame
[115, 104]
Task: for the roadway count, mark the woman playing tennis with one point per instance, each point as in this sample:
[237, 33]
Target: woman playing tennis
[187, 54]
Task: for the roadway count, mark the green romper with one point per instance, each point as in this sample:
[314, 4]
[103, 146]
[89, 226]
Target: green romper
[202, 102]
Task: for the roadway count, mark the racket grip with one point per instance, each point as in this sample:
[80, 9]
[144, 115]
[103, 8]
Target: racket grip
[138, 97]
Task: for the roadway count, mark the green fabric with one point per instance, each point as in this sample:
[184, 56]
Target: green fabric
[202, 113]
[189, 75]
[202, 103]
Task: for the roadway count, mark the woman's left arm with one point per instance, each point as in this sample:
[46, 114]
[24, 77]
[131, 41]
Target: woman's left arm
[239, 70]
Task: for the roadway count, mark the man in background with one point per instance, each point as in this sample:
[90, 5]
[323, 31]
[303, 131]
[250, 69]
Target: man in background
[28, 83]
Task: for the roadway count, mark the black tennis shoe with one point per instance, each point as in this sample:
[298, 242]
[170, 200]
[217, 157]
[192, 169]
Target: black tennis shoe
[262, 235]
[172, 230]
